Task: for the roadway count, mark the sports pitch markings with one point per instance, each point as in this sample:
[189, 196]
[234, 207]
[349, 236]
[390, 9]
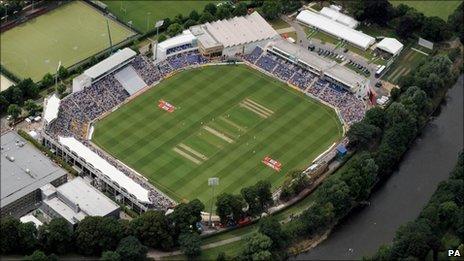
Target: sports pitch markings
[212, 135]
[70, 33]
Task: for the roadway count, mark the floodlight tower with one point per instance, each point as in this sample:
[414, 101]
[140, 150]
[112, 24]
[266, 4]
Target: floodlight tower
[109, 34]
[212, 182]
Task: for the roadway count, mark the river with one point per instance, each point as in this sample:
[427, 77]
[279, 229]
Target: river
[401, 198]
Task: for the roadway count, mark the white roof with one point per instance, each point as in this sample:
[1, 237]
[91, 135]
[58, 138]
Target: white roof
[31, 218]
[90, 200]
[110, 63]
[106, 168]
[240, 30]
[185, 38]
[334, 28]
[339, 17]
[390, 45]
[51, 108]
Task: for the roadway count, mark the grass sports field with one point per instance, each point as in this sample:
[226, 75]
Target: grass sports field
[142, 13]
[68, 34]
[408, 61]
[440, 8]
[227, 119]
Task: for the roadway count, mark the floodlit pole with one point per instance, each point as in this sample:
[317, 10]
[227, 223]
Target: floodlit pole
[56, 74]
[109, 35]
[212, 182]
[148, 19]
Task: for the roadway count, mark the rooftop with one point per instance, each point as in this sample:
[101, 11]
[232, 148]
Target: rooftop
[89, 199]
[24, 169]
[237, 31]
[337, 29]
[108, 170]
[109, 63]
[339, 17]
[390, 45]
[51, 108]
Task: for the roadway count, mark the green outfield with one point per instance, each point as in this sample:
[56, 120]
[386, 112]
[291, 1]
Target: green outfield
[440, 8]
[144, 14]
[68, 34]
[227, 119]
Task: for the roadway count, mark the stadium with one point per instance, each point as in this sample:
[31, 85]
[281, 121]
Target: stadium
[228, 99]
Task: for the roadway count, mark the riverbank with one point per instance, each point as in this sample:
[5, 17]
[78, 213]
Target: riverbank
[403, 195]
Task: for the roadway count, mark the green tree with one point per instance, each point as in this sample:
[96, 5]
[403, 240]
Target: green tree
[37, 256]
[186, 216]
[190, 244]
[29, 88]
[174, 29]
[360, 176]
[14, 110]
[257, 247]
[337, 192]
[60, 88]
[412, 240]
[31, 107]
[362, 134]
[130, 248]
[152, 229]
[56, 236]
[271, 9]
[264, 194]
[224, 12]
[317, 217]
[221, 257]
[27, 237]
[206, 17]
[210, 8]
[379, 12]
[110, 256]
[96, 234]
[229, 206]
[47, 79]
[271, 227]
[435, 29]
[194, 15]
[375, 117]
[9, 231]
[189, 23]
[3, 103]
[240, 9]
[161, 38]
[456, 22]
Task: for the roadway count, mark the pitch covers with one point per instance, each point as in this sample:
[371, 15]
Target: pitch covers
[164, 105]
[274, 164]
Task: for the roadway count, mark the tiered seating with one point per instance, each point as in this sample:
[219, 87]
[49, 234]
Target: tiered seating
[178, 48]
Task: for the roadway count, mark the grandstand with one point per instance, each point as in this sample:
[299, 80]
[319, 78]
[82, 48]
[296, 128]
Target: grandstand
[111, 83]
[103, 68]
[330, 70]
[228, 38]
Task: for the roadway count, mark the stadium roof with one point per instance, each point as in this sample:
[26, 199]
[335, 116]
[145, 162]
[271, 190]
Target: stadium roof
[334, 28]
[390, 45]
[109, 63]
[240, 30]
[185, 38]
[106, 168]
[303, 55]
[328, 67]
[339, 17]
[89, 199]
[25, 170]
[51, 108]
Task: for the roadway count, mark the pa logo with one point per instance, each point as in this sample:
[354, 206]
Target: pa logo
[453, 253]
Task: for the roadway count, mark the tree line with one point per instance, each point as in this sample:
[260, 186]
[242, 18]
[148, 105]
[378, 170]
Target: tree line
[407, 21]
[439, 227]
[381, 138]
[104, 236]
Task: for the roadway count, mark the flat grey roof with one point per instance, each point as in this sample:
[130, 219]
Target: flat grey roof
[90, 201]
[29, 170]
